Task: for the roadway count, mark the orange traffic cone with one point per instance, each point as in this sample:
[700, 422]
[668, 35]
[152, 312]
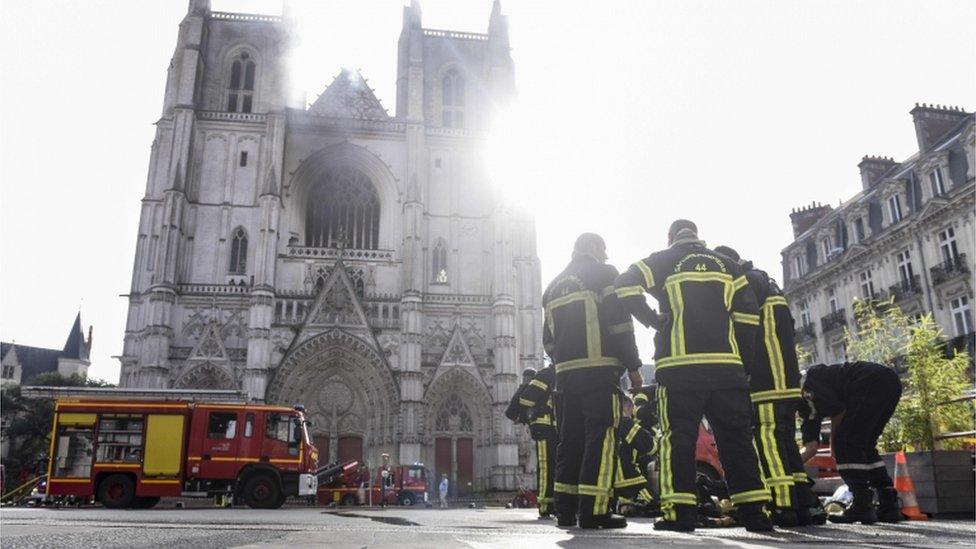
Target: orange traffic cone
[906, 489]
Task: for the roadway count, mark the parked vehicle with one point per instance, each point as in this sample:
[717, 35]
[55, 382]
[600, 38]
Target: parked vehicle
[354, 484]
[128, 453]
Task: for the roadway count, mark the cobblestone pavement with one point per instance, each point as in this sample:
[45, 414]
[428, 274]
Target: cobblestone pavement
[399, 527]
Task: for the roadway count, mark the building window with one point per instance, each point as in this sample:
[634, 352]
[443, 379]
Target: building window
[452, 100]
[453, 416]
[439, 262]
[240, 88]
[905, 271]
[825, 247]
[799, 266]
[858, 229]
[243, 161]
[938, 182]
[343, 209]
[832, 299]
[804, 315]
[894, 207]
[8, 371]
[947, 245]
[962, 315]
[867, 285]
[238, 252]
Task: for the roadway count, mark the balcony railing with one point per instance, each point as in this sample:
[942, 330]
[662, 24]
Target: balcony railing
[906, 289]
[948, 270]
[833, 321]
[806, 332]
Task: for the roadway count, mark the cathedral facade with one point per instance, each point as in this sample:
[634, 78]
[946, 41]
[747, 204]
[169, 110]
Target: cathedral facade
[335, 256]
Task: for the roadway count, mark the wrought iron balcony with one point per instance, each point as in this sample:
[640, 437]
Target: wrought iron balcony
[833, 321]
[806, 332]
[906, 289]
[948, 270]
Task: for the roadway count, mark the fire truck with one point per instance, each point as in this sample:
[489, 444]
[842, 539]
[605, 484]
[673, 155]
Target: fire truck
[129, 447]
[350, 483]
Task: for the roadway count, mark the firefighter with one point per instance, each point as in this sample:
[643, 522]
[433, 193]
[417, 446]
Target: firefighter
[707, 325]
[774, 386]
[533, 402]
[860, 398]
[635, 452]
[591, 341]
[515, 411]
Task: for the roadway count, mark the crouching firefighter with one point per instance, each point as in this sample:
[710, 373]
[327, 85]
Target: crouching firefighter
[774, 387]
[634, 455]
[533, 404]
[709, 329]
[860, 398]
[591, 341]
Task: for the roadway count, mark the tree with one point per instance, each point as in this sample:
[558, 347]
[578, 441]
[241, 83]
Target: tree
[29, 426]
[931, 379]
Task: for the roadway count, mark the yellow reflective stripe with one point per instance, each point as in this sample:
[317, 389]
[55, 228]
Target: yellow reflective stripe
[542, 420]
[694, 276]
[621, 328]
[578, 363]
[773, 349]
[639, 398]
[526, 402]
[565, 488]
[632, 433]
[539, 384]
[542, 466]
[573, 297]
[627, 482]
[604, 477]
[740, 283]
[750, 496]
[591, 490]
[627, 291]
[774, 465]
[646, 271]
[594, 346]
[775, 394]
[606, 291]
[746, 318]
[666, 482]
[680, 497]
[775, 300]
[698, 358]
[800, 477]
[677, 326]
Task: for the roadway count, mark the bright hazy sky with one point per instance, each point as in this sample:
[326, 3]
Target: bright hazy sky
[630, 114]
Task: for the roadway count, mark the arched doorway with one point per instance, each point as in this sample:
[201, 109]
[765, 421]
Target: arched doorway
[205, 376]
[348, 392]
[459, 427]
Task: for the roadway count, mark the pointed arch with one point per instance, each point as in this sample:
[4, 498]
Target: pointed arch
[453, 99]
[238, 251]
[241, 79]
[438, 261]
[206, 376]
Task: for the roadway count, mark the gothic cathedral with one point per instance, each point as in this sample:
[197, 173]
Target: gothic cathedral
[335, 256]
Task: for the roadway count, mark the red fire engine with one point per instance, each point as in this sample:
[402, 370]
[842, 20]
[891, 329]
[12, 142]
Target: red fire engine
[129, 451]
[350, 483]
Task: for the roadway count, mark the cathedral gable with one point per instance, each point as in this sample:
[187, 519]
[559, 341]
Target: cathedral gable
[457, 355]
[210, 348]
[348, 96]
[337, 305]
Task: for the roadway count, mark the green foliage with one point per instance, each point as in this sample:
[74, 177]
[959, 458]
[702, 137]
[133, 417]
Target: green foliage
[29, 426]
[886, 336]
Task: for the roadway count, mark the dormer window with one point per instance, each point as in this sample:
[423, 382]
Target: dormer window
[452, 100]
[894, 208]
[240, 86]
[799, 266]
[937, 181]
[858, 231]
[825, 248]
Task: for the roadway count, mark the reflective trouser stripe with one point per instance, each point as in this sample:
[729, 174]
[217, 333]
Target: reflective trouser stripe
[774, 471]
[667, 485]
[800, 477]
[565, 488]
[751, 496]
[604, 479]
[645, 495]
[775, 394]
[542, 468]
[773, 349]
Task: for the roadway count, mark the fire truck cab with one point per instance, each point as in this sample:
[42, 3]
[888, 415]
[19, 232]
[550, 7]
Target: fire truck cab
[356, 485]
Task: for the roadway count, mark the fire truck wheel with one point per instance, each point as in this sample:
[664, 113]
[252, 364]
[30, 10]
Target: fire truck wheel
[407, 499]
[349, 500]
[262, 492]
[117, 491]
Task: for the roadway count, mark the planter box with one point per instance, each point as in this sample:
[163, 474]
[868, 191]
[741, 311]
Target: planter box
[943, 480]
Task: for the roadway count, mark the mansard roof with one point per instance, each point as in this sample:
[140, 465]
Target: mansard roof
[349, 96]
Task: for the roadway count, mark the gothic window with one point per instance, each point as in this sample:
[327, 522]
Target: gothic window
[453, 416]
[343, 209]
[240, 87]
[238, 252]
[439, 262]
[452, 100]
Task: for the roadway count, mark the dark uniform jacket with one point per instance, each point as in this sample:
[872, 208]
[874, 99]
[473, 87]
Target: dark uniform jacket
[534, 400]
[515, 411]
[774, 372]
[587, 333]
[636, 449]
[709, 316]
[829, 390]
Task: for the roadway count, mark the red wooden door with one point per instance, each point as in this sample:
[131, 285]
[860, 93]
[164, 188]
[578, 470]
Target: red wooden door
[321, 443]
[351, 448]
[465, 466]
[442, 463]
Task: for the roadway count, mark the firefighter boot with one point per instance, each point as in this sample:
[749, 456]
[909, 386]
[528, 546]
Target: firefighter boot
[810, 511]
[754, 518]
[861, 509]
[685, 521]
[610, 520]
[889, 509]
[784, 517]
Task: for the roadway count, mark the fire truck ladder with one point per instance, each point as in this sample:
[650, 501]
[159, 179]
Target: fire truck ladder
[328, 473]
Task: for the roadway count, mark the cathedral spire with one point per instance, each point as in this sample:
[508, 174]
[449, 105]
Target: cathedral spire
[498, 23]
[198, 7]
[412, 15]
